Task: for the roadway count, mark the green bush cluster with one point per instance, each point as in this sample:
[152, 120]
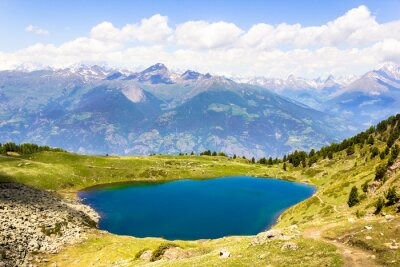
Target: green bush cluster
[158, 252]
[26, 148]
[214, 153]
[269, 161]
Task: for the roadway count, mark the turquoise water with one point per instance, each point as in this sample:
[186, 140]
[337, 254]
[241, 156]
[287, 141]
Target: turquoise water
[194, 209]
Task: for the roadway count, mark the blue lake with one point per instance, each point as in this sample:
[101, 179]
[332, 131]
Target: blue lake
[194, 209]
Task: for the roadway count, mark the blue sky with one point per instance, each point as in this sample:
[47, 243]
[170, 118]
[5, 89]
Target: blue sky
[72, 18]
[58, 22]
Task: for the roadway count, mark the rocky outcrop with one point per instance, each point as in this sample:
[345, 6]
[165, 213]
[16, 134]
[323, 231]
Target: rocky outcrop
[267, 236]
[392, 170]
[224, 254]
[35, 222]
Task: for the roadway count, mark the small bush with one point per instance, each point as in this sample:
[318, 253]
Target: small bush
[139, 253]
[360, 213]
[157, 254]
[56, 230]
[379, 204]
[365, 186]
[350, 150]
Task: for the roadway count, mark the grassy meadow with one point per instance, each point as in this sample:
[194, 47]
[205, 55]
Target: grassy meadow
[327, 212]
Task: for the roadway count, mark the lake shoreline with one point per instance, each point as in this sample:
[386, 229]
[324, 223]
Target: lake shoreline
[133, 182]
[126, 186]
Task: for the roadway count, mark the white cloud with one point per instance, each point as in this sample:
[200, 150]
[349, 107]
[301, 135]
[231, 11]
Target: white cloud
[106, 32]
[352, 43]
[356, 27]
[36, 30]
[152, 30]
[204, 35]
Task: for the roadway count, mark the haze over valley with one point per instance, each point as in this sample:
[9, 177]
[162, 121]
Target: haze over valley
[98, 110]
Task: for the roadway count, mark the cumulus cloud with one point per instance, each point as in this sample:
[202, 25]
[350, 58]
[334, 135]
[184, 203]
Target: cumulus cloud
[352, 43]
[36, 30]
[356, 27]
[204, 35]
[152, 30]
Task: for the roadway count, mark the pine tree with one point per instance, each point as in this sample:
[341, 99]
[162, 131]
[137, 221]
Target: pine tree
[371, 140]
[312, 153]
[380, 171]
[391, 196]
[353, 197]
[284, 166]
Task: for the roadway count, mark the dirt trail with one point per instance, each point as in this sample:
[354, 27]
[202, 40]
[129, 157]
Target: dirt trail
[352, 256]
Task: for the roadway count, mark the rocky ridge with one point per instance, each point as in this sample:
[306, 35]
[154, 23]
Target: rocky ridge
[34, 222]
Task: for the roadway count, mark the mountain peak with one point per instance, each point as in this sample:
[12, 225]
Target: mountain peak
[156, 67]
[190, 75]
[194, 75]
[390, 66]
[330, 78]
[389, 69]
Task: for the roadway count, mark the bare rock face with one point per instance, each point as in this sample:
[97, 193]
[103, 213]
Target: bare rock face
[33, 221]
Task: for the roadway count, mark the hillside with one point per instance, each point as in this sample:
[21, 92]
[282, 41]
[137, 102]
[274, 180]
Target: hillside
[95, 110]
[322, 230]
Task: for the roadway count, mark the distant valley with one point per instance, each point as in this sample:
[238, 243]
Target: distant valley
[98, 110]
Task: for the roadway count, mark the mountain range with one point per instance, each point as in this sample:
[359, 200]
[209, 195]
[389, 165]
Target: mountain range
[98, 110]
[365, 99]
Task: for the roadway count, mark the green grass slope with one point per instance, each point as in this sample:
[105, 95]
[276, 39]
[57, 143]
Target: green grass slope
[67, 171]
[325, 221]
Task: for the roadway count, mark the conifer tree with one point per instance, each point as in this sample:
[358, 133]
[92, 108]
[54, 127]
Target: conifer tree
[353, 197]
